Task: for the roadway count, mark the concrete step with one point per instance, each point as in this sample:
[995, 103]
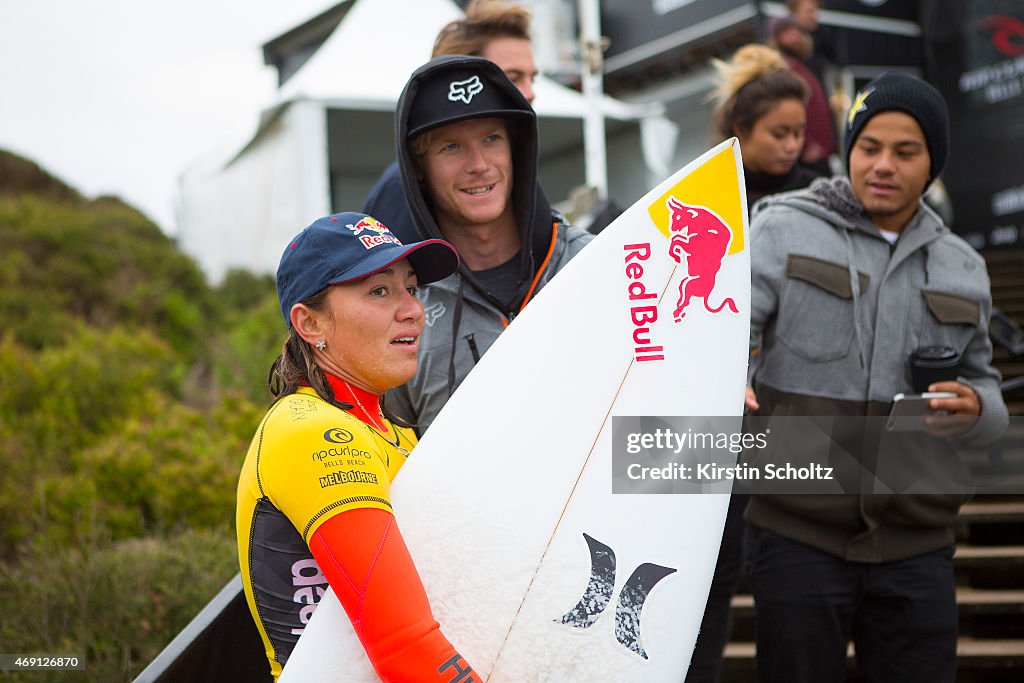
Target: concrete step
[992, 521]
[997, 511]
[990, 567]
[991, 653]
[969, 600]
[988, 662]
[970, 555]
[988, 601]
[971, 653]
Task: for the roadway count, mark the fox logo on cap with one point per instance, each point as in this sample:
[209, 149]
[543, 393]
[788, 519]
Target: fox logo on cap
[466, 90]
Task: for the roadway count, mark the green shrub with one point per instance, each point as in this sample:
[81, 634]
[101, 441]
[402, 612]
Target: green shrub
[247, 348]
[129, 392]
[63, 396]
[21, 176]
[241, 290]
[119, 605]
[102, 262]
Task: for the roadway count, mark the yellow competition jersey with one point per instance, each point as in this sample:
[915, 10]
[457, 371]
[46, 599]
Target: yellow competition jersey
[308, 461]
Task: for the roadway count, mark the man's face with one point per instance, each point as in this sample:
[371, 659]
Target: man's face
[467, 169]
[795, 41]
[806, 14]
[515, 57]
[889, 168]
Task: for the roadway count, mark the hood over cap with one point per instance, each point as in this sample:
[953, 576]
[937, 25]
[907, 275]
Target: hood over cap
[455, 88]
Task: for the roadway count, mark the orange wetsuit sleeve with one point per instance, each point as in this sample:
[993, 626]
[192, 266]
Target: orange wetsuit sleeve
[367, 563]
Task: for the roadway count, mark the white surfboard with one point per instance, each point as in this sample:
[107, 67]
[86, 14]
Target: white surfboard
[535, 570]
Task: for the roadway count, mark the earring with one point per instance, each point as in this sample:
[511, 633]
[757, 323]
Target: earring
[321, 344]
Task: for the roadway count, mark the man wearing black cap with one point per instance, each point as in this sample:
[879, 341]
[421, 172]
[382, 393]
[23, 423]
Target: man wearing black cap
[849, 278]
[497, 30]
[467, 150]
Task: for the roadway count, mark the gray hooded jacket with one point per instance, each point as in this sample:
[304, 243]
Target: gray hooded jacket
[836, 312]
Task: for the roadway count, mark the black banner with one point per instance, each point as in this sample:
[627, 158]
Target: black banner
[975, 56]
[641, 29]
[872, 32]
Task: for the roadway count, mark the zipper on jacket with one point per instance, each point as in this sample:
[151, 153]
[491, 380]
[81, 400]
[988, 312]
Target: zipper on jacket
[473, 348]
[540, 271]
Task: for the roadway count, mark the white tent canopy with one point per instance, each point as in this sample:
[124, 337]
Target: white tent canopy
[329, 134]
[371, 54]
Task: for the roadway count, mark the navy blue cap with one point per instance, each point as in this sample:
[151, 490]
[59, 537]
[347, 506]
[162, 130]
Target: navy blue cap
[349, 246]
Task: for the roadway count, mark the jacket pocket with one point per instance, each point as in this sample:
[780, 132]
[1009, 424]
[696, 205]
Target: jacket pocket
[952, 319]
[815, 318]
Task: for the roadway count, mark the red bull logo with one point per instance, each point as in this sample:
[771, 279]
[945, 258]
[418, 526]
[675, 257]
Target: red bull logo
[379, 234]
[704, 238]
[643, 311]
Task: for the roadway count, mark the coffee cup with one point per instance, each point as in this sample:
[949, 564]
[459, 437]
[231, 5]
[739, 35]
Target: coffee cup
[931, 364]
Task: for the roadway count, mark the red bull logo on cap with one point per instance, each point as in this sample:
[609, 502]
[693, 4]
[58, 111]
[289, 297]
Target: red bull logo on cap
[703, 237]
[379, 234]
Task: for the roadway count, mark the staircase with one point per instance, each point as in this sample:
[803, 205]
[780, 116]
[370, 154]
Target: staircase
[989, 559]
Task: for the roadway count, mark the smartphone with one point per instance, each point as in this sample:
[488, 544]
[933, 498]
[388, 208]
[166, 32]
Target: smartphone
[908, 409]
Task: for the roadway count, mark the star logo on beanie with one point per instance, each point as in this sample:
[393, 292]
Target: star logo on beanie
[859, 105]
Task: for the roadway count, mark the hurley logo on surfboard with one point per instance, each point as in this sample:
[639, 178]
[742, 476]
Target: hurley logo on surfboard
[599, 590]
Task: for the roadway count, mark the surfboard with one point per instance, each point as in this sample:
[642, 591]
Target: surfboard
[534, 567]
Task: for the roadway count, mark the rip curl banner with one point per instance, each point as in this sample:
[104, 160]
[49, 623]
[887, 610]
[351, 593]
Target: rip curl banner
[975, 57]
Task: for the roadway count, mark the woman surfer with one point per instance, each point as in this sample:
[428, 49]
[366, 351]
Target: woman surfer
[313, 497]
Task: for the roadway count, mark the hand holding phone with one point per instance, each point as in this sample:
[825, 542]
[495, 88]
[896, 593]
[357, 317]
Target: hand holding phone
[909, 410]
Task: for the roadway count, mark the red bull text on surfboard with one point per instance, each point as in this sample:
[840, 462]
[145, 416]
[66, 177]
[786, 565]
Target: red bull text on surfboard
[642, 315]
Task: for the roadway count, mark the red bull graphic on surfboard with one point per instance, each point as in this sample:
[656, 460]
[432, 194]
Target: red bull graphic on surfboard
[643, 309]
[699, 235]
[702, 219]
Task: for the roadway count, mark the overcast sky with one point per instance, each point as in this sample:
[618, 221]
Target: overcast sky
[119, 96]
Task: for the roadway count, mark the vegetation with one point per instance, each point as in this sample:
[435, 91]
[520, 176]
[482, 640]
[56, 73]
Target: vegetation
[129, 391]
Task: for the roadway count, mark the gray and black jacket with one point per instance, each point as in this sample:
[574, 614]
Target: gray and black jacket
[462, 318]
[836, 312]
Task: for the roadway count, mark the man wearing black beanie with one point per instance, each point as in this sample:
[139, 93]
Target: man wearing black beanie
[849, 278]
[897, 91]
